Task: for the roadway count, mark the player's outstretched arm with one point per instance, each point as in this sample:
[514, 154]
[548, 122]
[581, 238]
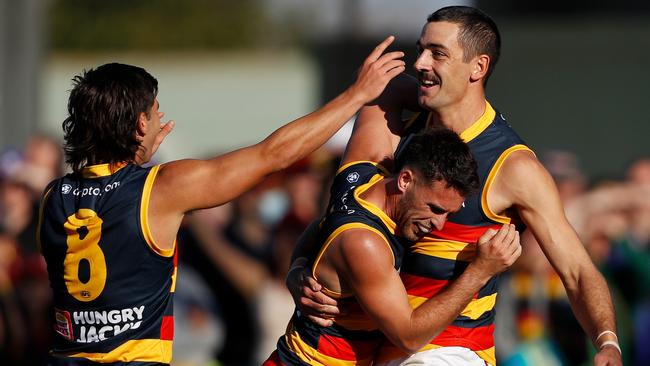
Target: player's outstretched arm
[193, 184]
[524, 183]
[367, 267]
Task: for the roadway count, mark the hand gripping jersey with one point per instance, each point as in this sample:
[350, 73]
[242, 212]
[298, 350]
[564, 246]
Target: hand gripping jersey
[354, 338]
[112, 285]
[443, 255]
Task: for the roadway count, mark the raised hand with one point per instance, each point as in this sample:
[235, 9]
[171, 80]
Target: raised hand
[377, 70]
[165, 129]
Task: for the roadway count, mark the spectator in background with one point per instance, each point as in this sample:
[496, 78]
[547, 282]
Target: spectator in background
[13, 333]
[624, 236]
[43, 161]
[304, 185]
[25, 175]
[243, 250]
[227, 246]
[638, 256]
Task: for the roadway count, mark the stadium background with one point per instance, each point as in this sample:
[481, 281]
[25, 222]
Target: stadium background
[572, 80]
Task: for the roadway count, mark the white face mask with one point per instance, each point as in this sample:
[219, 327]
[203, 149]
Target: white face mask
[272, 206]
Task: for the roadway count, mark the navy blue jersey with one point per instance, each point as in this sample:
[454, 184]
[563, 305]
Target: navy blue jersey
[353, 339]
[443, 255]
[113, 286]
[346, 207]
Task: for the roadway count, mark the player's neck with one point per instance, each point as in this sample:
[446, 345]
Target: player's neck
[141, 156]
[461, 115]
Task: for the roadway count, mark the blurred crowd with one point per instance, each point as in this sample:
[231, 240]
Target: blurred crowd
[231, 304]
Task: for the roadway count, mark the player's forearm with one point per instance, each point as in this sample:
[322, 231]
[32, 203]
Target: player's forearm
[435, 314]
[592, 303]
[297, 139]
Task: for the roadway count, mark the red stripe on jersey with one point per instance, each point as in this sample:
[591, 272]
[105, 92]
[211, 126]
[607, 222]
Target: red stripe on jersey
[476, 339]
[422, 286]
[167, 328]
[345, 349]
[459, 232]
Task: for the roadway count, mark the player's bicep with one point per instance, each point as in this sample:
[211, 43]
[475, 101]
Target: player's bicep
[195, 184]
[370, 273]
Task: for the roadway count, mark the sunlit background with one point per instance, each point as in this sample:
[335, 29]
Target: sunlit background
[572, 80]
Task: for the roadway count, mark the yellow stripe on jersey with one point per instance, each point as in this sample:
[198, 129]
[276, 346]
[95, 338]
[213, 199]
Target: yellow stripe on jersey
[388, 222]
[447, 249]
[473, 310]
[143, 350]
[101, 170]
[490, 179]
[488, 355]
[312, 356]
[173, 287]
[333, 235]
[144, 216]
[480, 125]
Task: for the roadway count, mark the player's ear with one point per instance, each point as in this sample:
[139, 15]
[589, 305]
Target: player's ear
[404, 179]
[142, 125]
[480, 63]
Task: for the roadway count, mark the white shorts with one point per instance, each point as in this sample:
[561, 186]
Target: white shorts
[443, 356]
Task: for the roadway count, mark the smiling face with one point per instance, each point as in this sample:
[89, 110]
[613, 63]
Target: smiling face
[424, 207]
[443, 73]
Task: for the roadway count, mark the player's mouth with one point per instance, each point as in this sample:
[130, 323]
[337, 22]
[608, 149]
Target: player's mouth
[423, 229]
[428, 81]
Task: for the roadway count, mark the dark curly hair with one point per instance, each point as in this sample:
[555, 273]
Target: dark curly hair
[439, 154]
[478, 33]
[104, 106]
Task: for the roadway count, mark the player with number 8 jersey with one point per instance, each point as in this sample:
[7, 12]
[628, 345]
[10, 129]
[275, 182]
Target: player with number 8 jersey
[104, 313]
[108, 230]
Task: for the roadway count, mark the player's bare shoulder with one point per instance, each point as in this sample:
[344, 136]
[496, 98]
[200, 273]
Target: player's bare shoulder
[362, 247]
[523, 178]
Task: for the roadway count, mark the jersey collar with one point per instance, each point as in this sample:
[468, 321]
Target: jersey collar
[480, 125]
[101, 170]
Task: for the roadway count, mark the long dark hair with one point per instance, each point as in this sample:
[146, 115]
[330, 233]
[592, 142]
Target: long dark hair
[103, 110]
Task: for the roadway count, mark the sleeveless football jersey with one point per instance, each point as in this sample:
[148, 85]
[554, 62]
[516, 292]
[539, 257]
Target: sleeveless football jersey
[443, 255]
[354, 338]
[113, 287]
